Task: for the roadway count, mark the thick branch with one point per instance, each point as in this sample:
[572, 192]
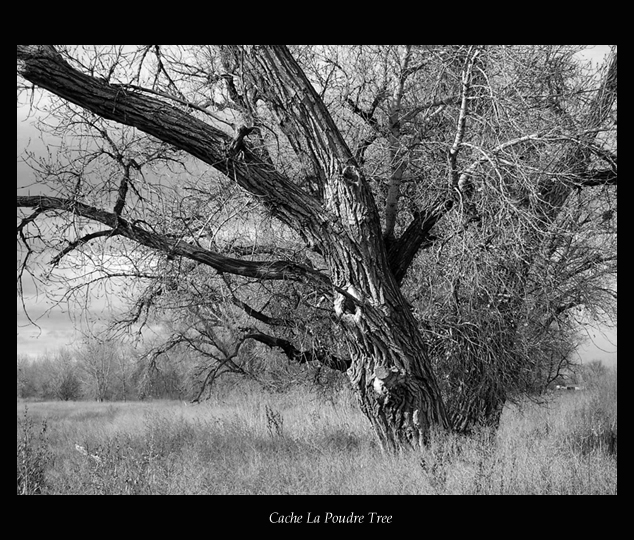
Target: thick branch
[28, 220]
[398, 162]
[462, 119]
[302, 357]
[123, 189]
[303, 116]
[179, 248]
[44, 67]
[401, 252]
[368, 116]
[370, 119]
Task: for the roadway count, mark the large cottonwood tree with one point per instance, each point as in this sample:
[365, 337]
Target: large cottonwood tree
[385, 163]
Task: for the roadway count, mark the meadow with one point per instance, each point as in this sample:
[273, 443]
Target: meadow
[249, 441]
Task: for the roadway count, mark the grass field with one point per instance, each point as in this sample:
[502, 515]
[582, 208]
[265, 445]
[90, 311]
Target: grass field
[252, 442]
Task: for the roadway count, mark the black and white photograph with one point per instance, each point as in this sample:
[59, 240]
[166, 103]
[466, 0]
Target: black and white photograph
[317, 270]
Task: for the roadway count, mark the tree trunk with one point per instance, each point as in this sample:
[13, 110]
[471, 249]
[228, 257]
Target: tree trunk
[475, 402]
[390, 372]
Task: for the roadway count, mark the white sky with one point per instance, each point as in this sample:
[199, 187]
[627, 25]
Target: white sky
[601, 343]
[56, 328]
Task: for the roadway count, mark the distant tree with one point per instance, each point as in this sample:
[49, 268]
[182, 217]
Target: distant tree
[26, 381]
[46, 374]
[163, 374]
[592, 372]
[97, 360]
[67, 381]
[439, 213]
[123, 387]
[69, 387]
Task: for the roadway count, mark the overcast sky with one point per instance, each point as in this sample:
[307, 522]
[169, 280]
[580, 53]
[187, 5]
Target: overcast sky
[56, 328]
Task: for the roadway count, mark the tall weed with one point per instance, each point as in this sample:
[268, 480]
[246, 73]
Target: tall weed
[33, 456]
[591, 420]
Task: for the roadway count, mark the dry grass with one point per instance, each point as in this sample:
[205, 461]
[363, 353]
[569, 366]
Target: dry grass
[251, 442]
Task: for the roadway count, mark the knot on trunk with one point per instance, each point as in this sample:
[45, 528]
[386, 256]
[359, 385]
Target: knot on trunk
[348, 306]
[385, 379]
[351, 174]
[237, 144]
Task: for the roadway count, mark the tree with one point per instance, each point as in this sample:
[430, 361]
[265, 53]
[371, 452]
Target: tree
[468, 177]
[69, 387]
[51, 376]
[98, 361]
[25, 380]
[67, 382]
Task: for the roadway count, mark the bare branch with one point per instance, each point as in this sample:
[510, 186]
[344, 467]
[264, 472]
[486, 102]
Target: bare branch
[24, 222]
[80, 242]
[256, 314]
[462, 119]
